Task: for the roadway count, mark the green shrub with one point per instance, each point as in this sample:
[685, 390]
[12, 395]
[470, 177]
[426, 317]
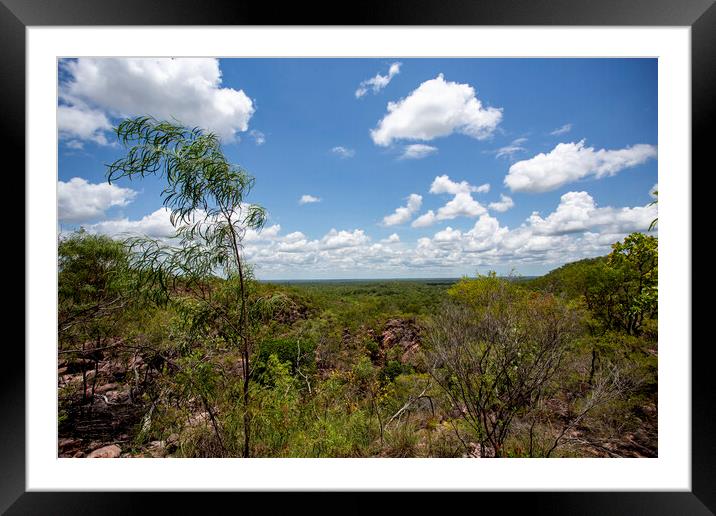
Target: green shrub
[392, 370]
[299, 354]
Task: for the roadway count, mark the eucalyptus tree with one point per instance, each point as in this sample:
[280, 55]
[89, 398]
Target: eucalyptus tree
[205, 195]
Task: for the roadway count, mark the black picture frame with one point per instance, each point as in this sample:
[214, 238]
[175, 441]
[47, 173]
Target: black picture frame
[700, 15]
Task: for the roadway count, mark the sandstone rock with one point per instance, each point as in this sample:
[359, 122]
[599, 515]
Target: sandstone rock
[101, 389]
[106, 452]
[67, 442]
[157, 449]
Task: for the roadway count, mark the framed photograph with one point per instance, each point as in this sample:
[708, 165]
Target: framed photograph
[416, 250]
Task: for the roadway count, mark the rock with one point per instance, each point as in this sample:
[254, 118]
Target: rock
[172, 443]
[404, 333]
[117, 396]
[101, 389]
[69, 447]
[157, 449]
[107, 452]
[61, 371]
[67, 442]
[476, 451]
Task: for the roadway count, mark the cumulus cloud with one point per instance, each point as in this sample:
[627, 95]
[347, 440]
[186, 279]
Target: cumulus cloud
[436, 108]
[447, 236]
[485, 235]
[404, 213]
[79, 200]
[82, 123]
[418, 151]
[577, 228]
[426, 219]
[307, 199]
[186, 89]
[569, 162]
[377, 83]
[262, 235]
[504, 204]
[339, 239]
[156, 225]
[443, 184]
[343, 152]
[462, 205]
[562, 130]
[577, 212]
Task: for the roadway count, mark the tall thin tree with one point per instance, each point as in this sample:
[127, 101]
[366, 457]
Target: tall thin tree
[205, 195]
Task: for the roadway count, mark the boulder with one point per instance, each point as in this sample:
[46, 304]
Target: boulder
[106, 452]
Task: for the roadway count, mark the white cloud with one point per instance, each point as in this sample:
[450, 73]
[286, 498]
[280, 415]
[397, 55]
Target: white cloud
[418, 151]
[156, 225]
[264, 235]
[576, 228]
[425, 220]
[404, 213]
[561, 130]
[258, 136]
[504, 204]
[462, 205]
[340, 239]
[186, 89]
[509, 151]
[81, 201]
[577, 212]
[295, 242]
[75, 144]
[569, 162]
[485, 235]
[378, 82]
[436, 108]
[343, 152]
[307, 199]
[443, 184]
[447, 236]
[82, 123]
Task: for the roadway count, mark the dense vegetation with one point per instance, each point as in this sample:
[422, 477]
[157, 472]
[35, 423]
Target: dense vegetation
[174, 349]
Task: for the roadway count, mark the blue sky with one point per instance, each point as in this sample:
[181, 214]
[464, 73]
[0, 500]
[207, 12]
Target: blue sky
[568, 148]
